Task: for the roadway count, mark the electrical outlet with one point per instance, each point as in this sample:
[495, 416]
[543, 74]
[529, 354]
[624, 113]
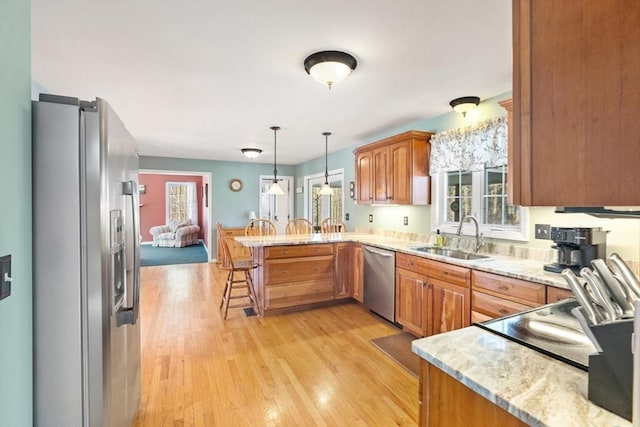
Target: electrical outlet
[543, 231]
[346, 216]
[370, 217]
[406, 220]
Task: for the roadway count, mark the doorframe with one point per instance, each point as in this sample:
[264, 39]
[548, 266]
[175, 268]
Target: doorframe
[206, 210]
[290, 179]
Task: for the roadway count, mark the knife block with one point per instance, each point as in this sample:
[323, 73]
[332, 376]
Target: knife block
[611, 371]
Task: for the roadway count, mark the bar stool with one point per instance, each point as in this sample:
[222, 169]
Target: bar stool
[244, 267]
[332, 225]
[299, 226]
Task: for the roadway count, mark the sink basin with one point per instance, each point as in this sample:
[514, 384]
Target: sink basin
[451, 253]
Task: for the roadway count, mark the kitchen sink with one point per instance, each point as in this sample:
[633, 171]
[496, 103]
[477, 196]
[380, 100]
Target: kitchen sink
[451, 253]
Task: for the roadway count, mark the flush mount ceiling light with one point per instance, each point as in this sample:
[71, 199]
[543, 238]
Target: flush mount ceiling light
[464, 104]
[251, 153]
[275, 189]
[326, 188]
[330, 66]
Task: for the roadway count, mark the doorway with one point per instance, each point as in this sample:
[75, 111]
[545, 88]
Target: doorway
[317, 206]
[277, 209]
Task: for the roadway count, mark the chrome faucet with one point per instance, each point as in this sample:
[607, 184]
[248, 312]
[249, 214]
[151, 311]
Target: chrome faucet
[479, 242]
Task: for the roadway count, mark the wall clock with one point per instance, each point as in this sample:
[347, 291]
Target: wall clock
[235, 184]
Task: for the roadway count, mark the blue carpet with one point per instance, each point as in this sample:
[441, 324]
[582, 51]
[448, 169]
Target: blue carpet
[166, 256]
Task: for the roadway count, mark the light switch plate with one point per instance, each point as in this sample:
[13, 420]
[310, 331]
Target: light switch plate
[543, 231]
[370, 217]
[5, 276]
[406, 220]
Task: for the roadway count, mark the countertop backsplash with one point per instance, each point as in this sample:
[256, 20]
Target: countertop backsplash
[467, 243]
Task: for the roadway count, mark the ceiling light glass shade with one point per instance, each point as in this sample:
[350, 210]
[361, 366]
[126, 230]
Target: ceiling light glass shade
[251, 153]
[464, 104]
[326, 190]
[275, 190]
[330, 66]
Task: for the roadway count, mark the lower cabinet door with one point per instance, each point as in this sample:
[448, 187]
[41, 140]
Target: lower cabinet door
[409, 301]
[448, 307]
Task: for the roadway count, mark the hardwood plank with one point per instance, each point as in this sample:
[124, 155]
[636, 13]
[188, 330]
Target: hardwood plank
[314, 367]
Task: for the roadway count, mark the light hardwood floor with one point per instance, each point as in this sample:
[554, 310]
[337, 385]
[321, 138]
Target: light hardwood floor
[301, 369]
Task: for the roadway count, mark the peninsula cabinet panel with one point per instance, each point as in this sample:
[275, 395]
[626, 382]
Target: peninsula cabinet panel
[448, 307]
[576, 96]
[298, 293]
[394, 170]
[358, 270]
[298, 269]
[446, 402]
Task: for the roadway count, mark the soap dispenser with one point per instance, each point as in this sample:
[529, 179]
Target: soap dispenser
[439, 238]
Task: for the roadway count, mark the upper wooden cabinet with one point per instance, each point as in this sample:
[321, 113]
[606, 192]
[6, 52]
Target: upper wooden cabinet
[576, 95]
[394, 170]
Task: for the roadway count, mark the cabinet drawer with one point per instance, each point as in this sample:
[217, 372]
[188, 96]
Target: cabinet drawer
[298, 251]
[509, 288]
[298, 269]
[293, 294]
[556, 294]
[492, 306]
[434, 269]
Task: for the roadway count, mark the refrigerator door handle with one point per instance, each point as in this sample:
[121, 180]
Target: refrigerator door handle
[129, 315]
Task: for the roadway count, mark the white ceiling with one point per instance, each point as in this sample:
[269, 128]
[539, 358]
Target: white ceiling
[202, 79]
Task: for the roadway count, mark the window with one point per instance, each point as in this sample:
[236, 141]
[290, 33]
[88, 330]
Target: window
[482, 194]
[469, 177]
[181, 201]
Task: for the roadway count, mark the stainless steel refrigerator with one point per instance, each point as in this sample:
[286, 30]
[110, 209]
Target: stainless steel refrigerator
[85, 264]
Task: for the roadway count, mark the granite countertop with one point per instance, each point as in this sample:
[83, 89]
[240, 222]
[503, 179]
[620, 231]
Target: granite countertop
[533, 387]
[518, 268]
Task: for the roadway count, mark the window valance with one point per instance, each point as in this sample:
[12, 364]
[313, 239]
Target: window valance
[471, 148]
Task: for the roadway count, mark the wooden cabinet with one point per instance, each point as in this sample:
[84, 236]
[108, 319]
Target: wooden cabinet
[358, 270]
[494, 296]
[556, 294]
[575, 100]
[344, 270]
[394, 170]
[445, 402]
[290, 277]
[238, 251]
[431, 297]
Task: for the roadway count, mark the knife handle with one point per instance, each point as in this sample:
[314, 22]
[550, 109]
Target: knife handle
[581, 296]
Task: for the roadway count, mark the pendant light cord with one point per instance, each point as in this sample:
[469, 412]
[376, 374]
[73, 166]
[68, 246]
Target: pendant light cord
[275, 170]
[326, 161]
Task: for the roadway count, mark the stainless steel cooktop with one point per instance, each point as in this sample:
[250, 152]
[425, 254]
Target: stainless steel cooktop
[550, 329]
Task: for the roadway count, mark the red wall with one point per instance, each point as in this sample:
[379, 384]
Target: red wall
[152, 211]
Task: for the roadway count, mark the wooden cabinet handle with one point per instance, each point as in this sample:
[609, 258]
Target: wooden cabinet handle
[503, 288]
[444, 273]
[503, 311]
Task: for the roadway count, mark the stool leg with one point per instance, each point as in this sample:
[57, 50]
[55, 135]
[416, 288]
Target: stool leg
[227, 296]
[224, 293]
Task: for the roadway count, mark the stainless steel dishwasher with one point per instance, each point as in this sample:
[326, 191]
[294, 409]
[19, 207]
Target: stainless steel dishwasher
[379, 282]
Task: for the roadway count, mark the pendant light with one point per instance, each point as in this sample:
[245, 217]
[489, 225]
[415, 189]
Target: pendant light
[326, 188]
[275, 189]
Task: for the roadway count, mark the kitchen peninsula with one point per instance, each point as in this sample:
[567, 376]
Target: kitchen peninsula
[300, 271]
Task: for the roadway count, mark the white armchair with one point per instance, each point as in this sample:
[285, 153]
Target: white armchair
[176, 234]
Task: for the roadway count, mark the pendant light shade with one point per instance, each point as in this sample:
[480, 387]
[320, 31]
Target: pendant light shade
[275, 189]
[330, 66]
[326, 188]
[464, 104]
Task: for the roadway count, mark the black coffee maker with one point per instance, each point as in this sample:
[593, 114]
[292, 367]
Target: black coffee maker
[576, 247]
